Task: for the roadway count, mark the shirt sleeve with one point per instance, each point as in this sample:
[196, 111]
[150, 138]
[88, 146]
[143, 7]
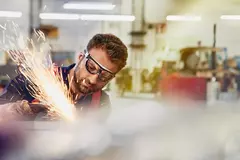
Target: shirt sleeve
[16, 90]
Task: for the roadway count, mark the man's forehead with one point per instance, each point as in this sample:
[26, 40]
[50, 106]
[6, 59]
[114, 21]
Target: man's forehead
[97, 52]
[103, 59]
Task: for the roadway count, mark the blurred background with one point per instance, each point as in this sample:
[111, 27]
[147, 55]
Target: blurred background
[177, 48]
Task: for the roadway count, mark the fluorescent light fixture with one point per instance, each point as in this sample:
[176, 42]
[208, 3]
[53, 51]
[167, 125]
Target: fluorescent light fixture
[89, 6]
[59, 16]
[230, 17]
[183, 18]
[99, 17]
[10, 14]
[86, 17]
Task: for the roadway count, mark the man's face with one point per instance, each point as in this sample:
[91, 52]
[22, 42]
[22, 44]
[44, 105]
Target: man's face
[92, 72]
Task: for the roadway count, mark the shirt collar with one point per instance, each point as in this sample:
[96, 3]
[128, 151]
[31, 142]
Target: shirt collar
[70, 67]
[65, 73]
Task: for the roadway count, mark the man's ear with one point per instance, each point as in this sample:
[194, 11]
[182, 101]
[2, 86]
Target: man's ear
[81, 56]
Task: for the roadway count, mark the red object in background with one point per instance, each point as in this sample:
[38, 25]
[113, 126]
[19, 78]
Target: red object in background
[193, 88]
[1, 89]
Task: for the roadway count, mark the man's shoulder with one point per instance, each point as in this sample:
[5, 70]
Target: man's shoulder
[105, 100]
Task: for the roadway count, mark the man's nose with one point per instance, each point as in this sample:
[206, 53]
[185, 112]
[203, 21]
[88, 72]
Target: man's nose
[93, 78]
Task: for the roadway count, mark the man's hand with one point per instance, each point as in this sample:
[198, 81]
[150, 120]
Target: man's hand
[52, 116]
[21, 110]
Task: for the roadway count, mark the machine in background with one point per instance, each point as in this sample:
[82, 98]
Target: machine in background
[197, 79]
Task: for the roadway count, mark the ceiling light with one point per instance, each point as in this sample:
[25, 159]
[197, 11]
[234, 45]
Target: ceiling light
[10, 14]
[89, 6]
[230, 17]
[59, 16]
[183, 18]
[99, 17]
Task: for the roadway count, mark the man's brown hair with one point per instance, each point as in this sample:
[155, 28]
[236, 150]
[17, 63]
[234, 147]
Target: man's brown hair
[113, 46]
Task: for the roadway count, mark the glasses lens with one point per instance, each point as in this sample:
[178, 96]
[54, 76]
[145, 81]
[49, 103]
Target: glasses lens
[105, 76]
[91, 67]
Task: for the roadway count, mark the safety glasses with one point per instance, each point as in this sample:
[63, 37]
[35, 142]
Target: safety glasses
[94, 67]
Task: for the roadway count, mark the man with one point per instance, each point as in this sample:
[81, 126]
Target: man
[104, 56]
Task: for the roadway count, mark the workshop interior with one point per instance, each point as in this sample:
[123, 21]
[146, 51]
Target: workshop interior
[181, 53]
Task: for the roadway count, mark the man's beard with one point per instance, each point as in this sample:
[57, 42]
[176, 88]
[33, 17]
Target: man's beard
[80, 87]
